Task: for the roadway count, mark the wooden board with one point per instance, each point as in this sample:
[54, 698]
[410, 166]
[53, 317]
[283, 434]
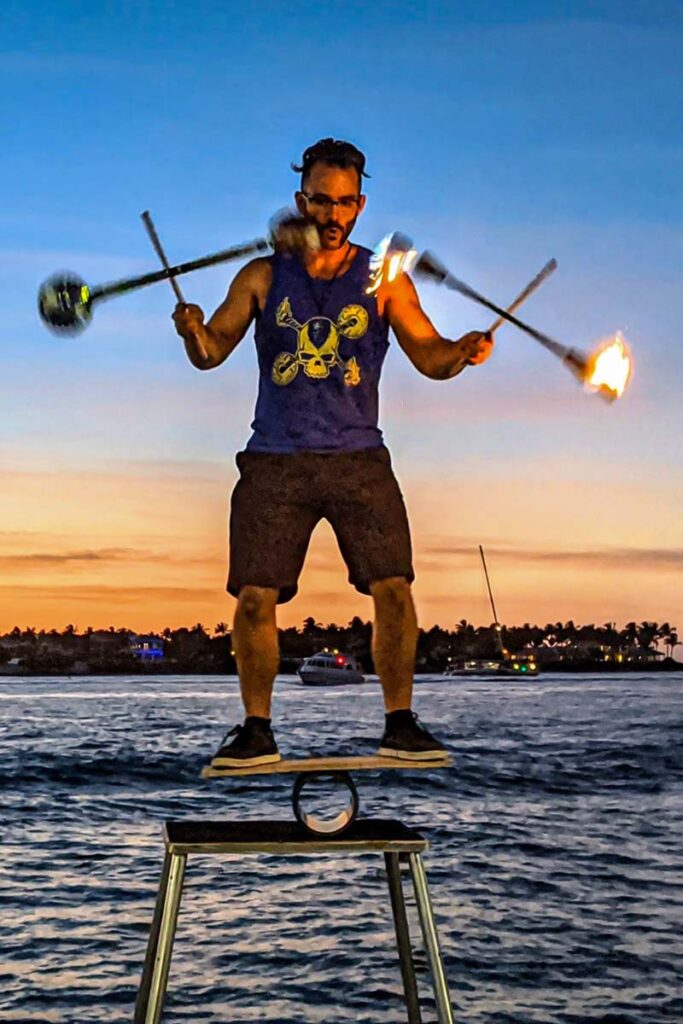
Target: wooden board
[325, 764]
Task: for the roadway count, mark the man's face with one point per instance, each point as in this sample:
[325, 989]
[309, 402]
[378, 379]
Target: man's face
[323, 185]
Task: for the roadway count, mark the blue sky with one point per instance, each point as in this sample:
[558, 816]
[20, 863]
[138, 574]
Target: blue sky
[497, 134]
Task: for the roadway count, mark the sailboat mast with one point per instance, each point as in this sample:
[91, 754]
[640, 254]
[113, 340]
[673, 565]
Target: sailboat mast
[499, 630]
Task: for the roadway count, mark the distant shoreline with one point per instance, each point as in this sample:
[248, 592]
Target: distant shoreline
[555, 648]
[143, 671]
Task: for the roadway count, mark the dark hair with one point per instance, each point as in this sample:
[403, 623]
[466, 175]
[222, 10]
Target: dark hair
[334, 152]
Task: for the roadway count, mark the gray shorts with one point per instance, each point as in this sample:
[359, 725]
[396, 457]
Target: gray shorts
[279, 499]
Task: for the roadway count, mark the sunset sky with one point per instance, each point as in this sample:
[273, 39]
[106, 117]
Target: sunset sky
[496, 134]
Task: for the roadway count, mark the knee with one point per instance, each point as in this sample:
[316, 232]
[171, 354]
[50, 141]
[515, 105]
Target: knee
[392, 595]
[256, 604]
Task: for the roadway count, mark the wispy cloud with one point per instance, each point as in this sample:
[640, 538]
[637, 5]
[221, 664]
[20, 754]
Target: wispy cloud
[38, 559]
[103, 556]
[604, 558]
[113, 595]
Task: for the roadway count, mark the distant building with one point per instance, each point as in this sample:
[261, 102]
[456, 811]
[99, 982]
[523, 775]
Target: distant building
[147, 648]
[577, 651]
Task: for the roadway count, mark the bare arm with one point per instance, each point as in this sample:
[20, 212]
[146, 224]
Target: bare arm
[231, 321]
[434, 356]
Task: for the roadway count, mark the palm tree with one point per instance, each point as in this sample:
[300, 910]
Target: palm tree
[311, 627]
[663, 632]
[647, 634]
[465, 630]
[221, 629]
[630, 633]
[671, 640]
[571, 632]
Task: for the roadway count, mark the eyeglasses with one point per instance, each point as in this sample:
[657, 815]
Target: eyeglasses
[327, 204]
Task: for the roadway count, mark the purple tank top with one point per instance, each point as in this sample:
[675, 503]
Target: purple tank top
[320, 347]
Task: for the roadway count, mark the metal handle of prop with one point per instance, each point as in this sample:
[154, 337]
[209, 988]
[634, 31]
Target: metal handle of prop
[547, 270]
[158, 248]
[429, 266]
[236, 252]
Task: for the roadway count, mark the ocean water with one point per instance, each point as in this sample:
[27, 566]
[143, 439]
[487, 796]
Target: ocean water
[555, 861]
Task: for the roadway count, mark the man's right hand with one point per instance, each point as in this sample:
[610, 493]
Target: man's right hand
[189, 321]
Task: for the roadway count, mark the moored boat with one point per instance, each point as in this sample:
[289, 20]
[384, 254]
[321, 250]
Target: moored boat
[330, 668]
[521, 665]
[505, 665]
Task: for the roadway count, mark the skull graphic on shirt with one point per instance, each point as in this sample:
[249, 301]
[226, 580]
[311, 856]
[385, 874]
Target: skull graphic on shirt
[317, 348]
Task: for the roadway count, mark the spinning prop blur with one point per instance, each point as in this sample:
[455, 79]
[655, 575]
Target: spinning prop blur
[394, 255]
[65, 301]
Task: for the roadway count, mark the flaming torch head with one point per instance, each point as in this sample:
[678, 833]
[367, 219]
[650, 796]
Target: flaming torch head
[394, 255]
[609, 368]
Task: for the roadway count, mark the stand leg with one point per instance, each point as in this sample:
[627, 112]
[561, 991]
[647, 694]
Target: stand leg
[398, 907]
[431, 939]
[158, 960]
[152, 943]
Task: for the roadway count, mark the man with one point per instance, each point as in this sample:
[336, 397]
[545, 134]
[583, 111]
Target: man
[316, 450]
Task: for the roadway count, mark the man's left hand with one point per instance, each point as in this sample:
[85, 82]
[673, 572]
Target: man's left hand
[476, 347]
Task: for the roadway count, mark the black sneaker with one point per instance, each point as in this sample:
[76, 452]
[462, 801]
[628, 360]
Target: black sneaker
[406, 739]
[253, 744]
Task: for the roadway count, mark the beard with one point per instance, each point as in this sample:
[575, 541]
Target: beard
[334, 235]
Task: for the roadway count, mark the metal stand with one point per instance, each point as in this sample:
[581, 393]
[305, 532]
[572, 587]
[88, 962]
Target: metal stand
[397, 842]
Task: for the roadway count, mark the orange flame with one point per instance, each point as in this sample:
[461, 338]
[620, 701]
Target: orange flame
[609, 368]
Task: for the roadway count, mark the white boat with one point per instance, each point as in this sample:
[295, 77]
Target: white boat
[330, 668]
